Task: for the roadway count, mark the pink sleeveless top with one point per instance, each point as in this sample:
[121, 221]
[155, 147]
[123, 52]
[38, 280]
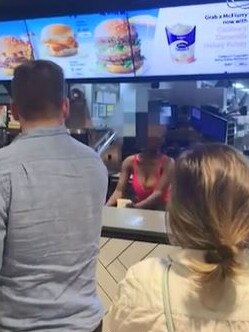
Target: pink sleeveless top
[142, 192]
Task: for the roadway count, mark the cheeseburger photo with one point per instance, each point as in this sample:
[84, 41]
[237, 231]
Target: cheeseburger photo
[113, 39]
[59, 40]
[13, 52]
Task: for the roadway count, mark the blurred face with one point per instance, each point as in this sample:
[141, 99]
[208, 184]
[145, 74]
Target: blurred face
[156, 136]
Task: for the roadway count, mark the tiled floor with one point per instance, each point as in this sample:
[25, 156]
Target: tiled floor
[116, 256]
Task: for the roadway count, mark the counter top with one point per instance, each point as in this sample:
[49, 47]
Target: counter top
[134, 224]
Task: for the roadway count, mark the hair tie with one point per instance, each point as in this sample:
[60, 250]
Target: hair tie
[222, 254]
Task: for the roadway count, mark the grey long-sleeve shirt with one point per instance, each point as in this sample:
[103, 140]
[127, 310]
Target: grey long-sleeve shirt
[52, 189]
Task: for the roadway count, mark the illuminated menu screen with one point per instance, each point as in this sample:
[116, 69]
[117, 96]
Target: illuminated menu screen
[86, 46]
[177, 41]
[194, 40]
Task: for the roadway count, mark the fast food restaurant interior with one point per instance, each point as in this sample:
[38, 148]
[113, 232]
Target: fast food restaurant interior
[114, 118]
[177, 66]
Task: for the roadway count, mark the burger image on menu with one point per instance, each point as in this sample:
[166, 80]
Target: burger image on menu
[113, 40]
[59, 40]
[13, 52]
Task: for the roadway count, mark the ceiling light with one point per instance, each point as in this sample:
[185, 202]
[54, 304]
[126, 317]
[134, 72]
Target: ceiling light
[246, 90]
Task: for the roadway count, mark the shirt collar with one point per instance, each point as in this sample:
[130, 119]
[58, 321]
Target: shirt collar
[44, 131]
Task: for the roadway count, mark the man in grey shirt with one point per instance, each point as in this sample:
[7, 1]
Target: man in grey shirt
[52, 190]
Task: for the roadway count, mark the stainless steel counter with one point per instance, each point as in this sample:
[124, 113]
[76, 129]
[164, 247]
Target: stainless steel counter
[134, 224]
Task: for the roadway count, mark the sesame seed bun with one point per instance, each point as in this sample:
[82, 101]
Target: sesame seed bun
[118, 28]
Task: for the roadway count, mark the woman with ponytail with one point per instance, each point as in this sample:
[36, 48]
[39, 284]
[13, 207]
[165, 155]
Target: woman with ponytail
[204, 285]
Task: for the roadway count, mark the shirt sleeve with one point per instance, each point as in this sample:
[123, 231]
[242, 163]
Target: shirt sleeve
[4, 211]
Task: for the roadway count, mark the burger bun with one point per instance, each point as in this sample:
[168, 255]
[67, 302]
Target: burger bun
[59, 40]
[114, 28]
[120, 69]
[57, 32]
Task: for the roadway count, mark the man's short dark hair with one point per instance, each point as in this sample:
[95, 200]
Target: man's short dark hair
[38, 89]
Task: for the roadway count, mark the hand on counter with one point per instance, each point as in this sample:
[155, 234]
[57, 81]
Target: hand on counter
[131, 205]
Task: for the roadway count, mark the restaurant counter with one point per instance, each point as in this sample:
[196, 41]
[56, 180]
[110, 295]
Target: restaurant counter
[134, 224]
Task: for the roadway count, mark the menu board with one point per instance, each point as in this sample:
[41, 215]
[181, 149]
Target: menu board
[174, 41]
[15, 47]
[201, 39]
[85, 46]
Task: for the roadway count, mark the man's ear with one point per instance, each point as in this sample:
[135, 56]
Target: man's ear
[65, 108]
[14, 111]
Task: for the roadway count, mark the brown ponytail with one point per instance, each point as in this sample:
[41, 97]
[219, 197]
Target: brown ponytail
[209, 209]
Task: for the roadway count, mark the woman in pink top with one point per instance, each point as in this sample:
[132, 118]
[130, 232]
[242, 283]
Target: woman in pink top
[150, 172]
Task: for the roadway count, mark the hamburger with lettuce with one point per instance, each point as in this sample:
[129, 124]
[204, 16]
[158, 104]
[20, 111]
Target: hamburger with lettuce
[118, 46]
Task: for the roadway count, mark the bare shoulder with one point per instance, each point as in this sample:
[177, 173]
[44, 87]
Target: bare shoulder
[127, 163]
